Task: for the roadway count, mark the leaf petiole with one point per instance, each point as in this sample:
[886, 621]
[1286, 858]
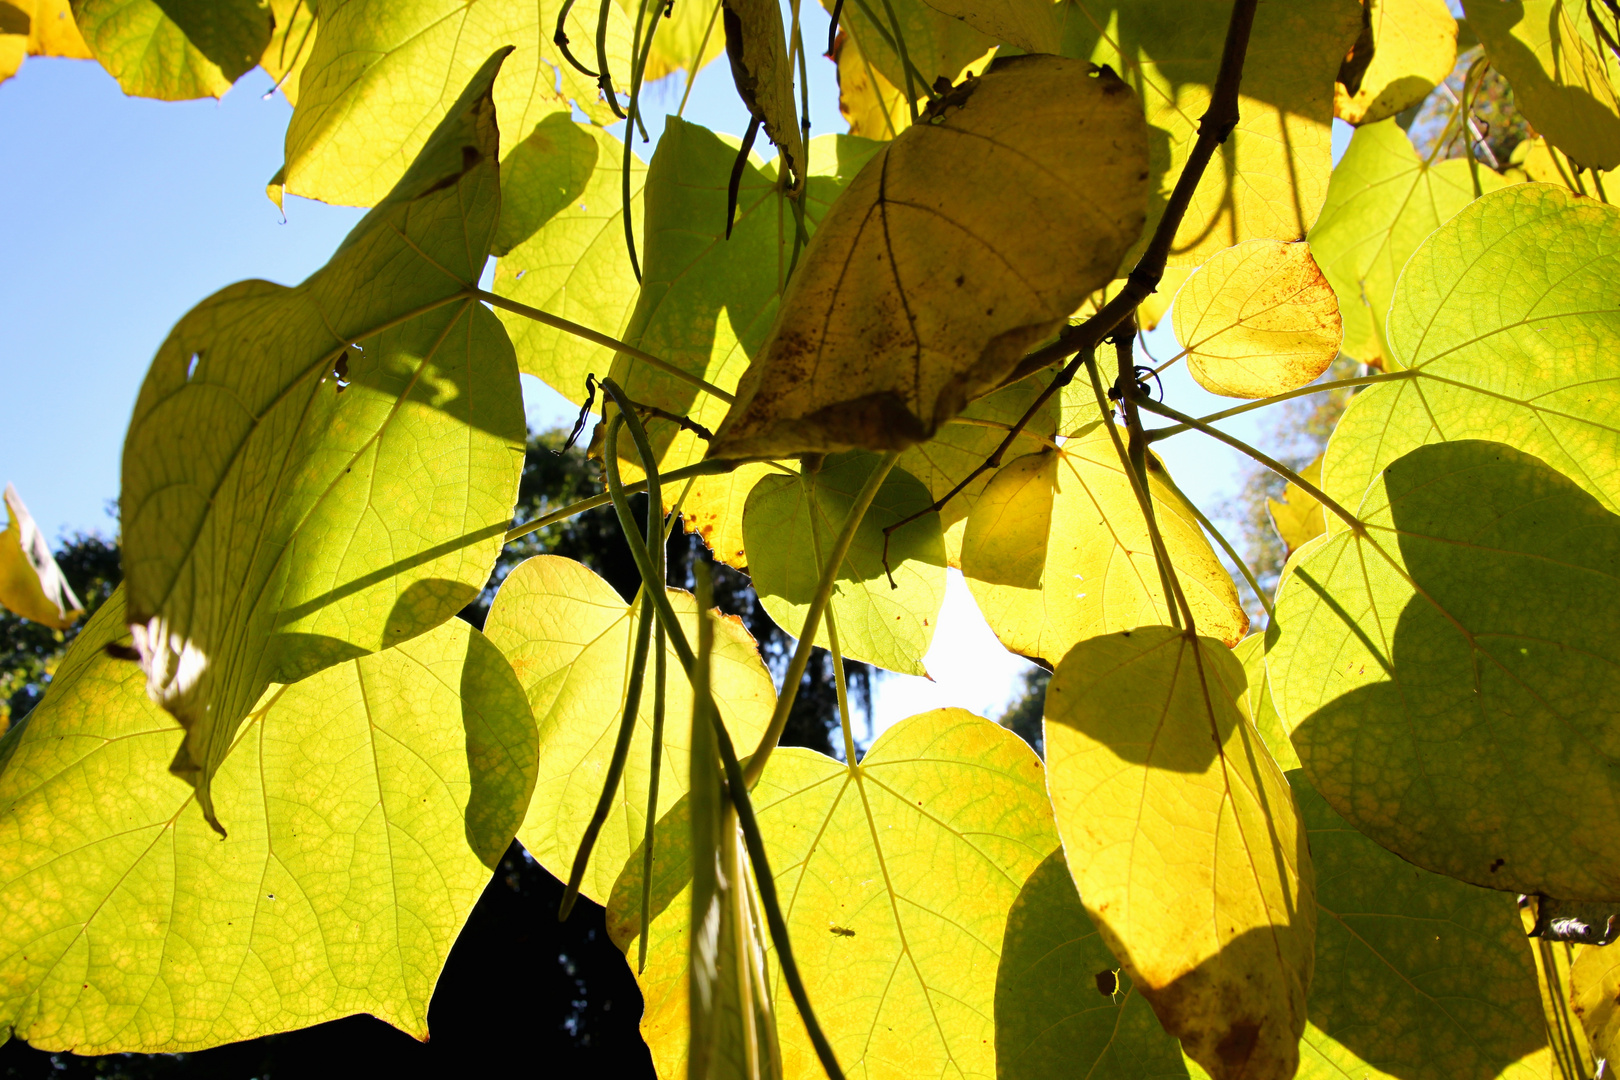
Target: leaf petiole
[1249, 406]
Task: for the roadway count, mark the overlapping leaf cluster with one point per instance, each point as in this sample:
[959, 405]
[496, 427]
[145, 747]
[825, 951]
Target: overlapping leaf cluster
[883, 358]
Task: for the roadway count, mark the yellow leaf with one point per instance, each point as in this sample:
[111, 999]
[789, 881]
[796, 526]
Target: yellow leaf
[714, 510]
[1258, 319]
[31, 584]
[871, 105]
[1056, 551]
[757, 46]
[1406, 49]
[569, 637]
[1542, 163]
[292, 39]
[1029, 24]
[1298, 516]
[961, 243]
[37, 28]
[680, 31]
[1256, 702]
[1594, 994]
[1186, 845]
[896, 879]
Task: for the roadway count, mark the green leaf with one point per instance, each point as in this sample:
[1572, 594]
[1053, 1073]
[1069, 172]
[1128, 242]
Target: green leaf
[1563, 76]
[368, 804]
[966, 441]
[896, 880]
[317, 472]
[936, 44]
[706, 302]
[1417, 976]
[789, 527]
[175, 49]
[568, 636]
[1268, 179]
[1056, 551]
[1507, 314]
[1184, 840]
[1448, 678]
[1063, 1007]
[375, 83]
[562, 241]
[1257, 703]
[1406, 49]
[966, 240]
[31, 584]
[1258, 319]
[1383, 201]
[1031, 25]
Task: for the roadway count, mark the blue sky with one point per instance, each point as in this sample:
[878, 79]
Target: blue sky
[123, 213]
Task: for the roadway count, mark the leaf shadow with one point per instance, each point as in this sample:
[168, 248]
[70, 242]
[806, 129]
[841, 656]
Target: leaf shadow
[503, 749]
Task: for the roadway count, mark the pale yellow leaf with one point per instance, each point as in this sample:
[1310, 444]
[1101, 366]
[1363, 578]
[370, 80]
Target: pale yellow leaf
[1406, 49]
[31, 584]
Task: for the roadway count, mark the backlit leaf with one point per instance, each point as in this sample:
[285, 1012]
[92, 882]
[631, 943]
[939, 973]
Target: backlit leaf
[317, 472]
[1510, 316]
[1056, 551]
[292, 39]
[789, 527]
[1258, 319]
[569, 637]
[896, 880]
[937, 45]
[1448, 679]
[1594, 995]
[680, 31]
[714, 510]
[1029, 24]
[756, 45]
[1184, 840]
[379, 76]
[1298, 515]
[707, 302]
[368, 804]
[562, 241]
[175, 49]
[964, 241]
[31, 584]
[1406, 49]
[1256, 701]
[963, 443]
[1063, 1007]
[1268, 179]
[871, 105]
[1562, 74]
[37, 28]
[1417, 976]
[1383, 201]
[1537, 160]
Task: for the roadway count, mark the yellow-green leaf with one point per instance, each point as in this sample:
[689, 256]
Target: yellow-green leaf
[562, 244]
[714, 510]
[175, 49]
[680, 32]
[1594, 995]
[966, 441]
[896, 879]
[1383, 201]
[1063, 1006]
[569, 637]
[1406, 49]
[1536, 159]
[964, 241]
[292, 39]
[1298, 516]
[1269, 177]
[757, 47]
[1417, 976]
[1448, 678]
[871, 105]
[706, 301]
[1029, 24]
[937, 45]
[1256, 701]
[789, 526]
[31, 584]
[317, 472]
[1056, 551]
[1185, 842]
[1258, 319]
[368, 804]
[1507, 316]
[1563, 75]
[377, 78]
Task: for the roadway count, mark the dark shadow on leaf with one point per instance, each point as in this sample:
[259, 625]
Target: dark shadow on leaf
[672, 872]
[541, 176]
[503, 748]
